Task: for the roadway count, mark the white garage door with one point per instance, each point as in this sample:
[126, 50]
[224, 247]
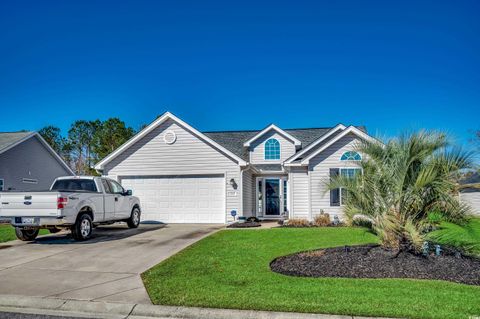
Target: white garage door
[174, 199]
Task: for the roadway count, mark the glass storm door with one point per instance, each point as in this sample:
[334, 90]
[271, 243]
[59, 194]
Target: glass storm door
[272, 196]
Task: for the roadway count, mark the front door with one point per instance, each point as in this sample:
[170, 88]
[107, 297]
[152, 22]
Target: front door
[272, 197]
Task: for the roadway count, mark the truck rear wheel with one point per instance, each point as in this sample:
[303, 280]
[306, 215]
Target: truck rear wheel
[134, 219]
[28, 234]
[82, 230]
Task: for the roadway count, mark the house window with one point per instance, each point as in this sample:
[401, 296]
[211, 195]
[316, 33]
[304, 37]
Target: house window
[285, 208]
[272, 149]
[348, 173]
[338, 196]
[1, 185]
[351, 156]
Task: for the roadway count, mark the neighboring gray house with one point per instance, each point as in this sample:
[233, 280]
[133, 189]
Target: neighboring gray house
[27, 162]
[470, 192]
[185, 176]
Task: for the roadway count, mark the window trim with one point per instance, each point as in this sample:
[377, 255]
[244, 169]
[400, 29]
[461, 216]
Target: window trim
[351, 160]
[265, 150]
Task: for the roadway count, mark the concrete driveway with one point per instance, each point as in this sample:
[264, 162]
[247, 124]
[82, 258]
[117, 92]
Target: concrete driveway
[106, 268]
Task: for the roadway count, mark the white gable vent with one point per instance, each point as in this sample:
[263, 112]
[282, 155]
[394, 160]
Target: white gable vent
[169, 137]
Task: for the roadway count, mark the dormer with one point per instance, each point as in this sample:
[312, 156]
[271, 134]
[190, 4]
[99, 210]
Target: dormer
[272, 145]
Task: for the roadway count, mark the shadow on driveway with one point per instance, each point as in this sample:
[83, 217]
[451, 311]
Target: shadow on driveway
[100, 234]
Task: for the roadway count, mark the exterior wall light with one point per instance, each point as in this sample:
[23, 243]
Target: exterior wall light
[233, 183]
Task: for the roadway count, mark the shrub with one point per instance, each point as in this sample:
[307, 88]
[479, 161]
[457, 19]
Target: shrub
[298, 222]
[322, 220]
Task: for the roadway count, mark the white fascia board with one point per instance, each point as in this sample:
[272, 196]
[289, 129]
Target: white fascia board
[350, 129]
[52, 151]
[152, 126]
[278, 130]
[314, 144]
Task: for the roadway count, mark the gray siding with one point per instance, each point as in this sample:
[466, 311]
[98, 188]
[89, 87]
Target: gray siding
[319, 170]
[257, 148]
[298, 178]
[189, 155]
[248, 194]
[472, 198]
[30, 159]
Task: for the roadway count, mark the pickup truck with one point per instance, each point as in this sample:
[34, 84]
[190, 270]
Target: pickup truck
[78, 203]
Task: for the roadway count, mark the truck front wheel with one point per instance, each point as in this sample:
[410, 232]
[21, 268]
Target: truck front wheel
[82, 230]
[26, 234]
[134, 219]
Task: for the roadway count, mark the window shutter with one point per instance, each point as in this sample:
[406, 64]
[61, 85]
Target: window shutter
[334, 193]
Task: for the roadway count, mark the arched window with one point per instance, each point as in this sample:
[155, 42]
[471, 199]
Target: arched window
[272, 149]
[351, 156]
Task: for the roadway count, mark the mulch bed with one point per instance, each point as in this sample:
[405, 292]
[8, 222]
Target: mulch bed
[244, 225]
[373, 261]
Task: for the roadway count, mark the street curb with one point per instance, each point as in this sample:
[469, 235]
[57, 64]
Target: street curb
[100, 309]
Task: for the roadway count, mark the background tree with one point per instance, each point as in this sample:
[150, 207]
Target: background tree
[81, 138]
[402, 183]
[109, 136]
[53, 136]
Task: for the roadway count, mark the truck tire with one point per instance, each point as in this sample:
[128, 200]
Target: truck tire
[82, 230]
[26, 234]
[134, 219]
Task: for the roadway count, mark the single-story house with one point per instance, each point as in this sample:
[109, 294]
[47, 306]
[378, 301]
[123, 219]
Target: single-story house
[28, 163]
[182, 175]
[470, 192]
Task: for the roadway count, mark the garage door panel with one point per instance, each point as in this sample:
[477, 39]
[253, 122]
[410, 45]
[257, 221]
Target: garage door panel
[187, 199]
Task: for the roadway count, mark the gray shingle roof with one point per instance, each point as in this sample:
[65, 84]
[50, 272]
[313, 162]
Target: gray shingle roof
[233, 140]
[9, 138]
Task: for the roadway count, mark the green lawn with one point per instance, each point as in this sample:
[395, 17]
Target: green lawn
[7, 233]
[230, 269]
[463, 236]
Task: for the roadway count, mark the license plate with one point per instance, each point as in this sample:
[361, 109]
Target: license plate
[28, 220]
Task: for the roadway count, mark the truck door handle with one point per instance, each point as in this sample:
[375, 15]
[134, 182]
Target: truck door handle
[116, 199]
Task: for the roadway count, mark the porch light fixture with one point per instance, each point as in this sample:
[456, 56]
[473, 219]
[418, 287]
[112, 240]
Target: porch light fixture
[233, 183]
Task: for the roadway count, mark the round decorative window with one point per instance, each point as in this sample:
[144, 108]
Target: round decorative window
[169, 137]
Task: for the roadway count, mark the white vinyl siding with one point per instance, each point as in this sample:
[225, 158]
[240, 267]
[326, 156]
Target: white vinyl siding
[471, 198]
[298, 178]
[319, 170]
[189, 155]
[248, 194]
[257, 148]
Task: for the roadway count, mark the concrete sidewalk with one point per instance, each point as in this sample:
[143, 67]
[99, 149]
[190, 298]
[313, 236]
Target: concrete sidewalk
[99, 309]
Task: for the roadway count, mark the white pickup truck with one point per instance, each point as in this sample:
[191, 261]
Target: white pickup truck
[78, 203]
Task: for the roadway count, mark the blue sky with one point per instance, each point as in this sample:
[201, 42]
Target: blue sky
[391, 66]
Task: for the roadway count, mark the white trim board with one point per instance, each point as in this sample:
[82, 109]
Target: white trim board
[278, 130]
[166, 116]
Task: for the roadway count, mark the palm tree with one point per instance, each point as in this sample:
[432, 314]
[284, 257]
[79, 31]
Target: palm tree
[401, 182]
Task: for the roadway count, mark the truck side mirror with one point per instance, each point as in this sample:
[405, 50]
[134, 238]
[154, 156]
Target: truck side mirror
[129, 192]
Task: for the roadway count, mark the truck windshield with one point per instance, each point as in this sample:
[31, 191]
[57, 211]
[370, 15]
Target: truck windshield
[75, 185]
